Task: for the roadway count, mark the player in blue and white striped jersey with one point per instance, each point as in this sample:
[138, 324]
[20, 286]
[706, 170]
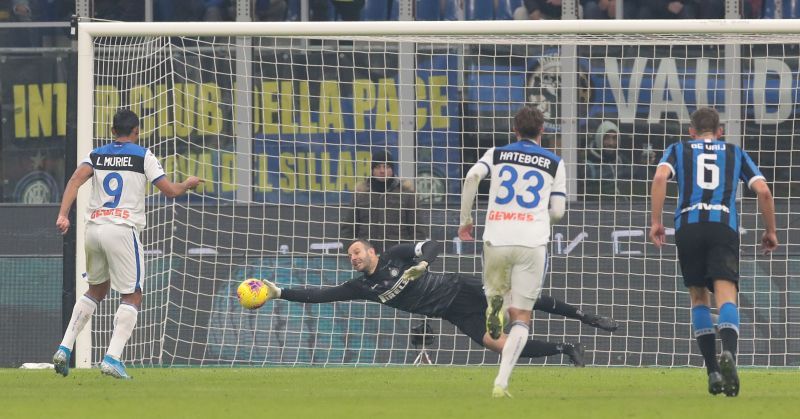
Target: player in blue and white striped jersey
[114, 218]
[708, 171]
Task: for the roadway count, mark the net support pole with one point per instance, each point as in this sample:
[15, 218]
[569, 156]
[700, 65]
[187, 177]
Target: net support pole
[83, 342]
[69, 255]
[243, 128]
[148, 10]
[82, 8]
[733, 83]
[569, 104]
[304, 14]
[406, 93]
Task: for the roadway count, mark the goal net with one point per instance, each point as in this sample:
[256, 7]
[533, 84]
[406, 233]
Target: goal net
[282, 120]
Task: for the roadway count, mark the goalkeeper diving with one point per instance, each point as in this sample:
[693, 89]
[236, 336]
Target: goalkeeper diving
[399, 278]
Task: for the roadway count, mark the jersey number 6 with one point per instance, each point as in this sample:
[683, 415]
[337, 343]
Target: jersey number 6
[707, 166]
[531, 192]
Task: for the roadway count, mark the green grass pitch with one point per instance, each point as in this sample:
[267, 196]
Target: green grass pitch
[394, 392]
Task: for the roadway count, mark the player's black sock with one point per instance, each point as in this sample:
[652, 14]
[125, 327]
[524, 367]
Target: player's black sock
[729, 327]
[538, 348]
[704, 334]
[708, 348]
[549, 304]
[730, 340]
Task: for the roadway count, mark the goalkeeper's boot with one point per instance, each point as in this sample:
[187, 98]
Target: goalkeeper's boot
[595, 320]
[715, 383]
[114, 367]
[575, 353]
[61, 360]
[727, 365]
[500, 393]
[495, 318]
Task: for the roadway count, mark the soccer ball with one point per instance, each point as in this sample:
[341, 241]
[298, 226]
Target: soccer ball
[252, 293]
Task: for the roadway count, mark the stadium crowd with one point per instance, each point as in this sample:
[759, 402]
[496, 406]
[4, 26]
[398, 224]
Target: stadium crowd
[378, 10]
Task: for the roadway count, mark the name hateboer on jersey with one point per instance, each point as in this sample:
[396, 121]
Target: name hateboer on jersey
[121, 172]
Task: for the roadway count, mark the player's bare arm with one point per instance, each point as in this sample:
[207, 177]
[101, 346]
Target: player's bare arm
[468, 193]
[172, 189]
[79, 177]
[769, 240]
[658, 194]
[557, 208]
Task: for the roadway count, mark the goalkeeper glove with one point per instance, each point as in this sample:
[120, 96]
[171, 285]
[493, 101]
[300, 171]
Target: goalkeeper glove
[415, 271]
[274, 291]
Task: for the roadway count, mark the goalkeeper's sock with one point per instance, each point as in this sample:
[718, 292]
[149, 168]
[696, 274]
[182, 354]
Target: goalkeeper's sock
[705, 336]
[538, 348]
[729, 327]
[549, 304]
[81, 313]
[124, 322]
[515, 341]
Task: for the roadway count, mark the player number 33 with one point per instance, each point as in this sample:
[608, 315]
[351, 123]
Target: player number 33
[529, 197]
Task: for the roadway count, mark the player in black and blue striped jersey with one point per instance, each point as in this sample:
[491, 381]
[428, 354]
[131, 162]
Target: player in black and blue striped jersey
[708, 170]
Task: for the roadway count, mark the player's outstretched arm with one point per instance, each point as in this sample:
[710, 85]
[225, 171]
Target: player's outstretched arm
[172, 190]
[769, 241]
[345, 292]
[557, 208]
[426, 252]
[78, 178]
[468, 193]
[658, 194]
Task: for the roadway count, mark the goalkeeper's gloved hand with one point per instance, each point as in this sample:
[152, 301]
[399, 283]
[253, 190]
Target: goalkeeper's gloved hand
[415, 271]
[274, 291]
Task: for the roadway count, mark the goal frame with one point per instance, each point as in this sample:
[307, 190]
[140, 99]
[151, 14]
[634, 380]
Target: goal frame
[87, 31]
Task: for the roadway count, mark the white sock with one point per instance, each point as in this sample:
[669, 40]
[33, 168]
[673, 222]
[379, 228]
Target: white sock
[81, 313]
[124, 322]
[515, 341]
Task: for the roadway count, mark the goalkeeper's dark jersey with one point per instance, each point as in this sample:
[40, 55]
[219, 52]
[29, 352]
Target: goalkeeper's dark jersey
[430, 295]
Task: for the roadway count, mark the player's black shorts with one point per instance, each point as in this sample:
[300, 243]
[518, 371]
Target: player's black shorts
[708, 251]
[468, 310]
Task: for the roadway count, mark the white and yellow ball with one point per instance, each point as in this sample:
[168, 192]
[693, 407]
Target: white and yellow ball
[252, 293]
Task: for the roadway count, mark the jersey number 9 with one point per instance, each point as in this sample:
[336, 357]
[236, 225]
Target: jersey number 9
[114, 191]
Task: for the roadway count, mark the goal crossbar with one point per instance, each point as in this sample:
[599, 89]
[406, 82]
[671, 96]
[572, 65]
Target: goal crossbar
[436, 28]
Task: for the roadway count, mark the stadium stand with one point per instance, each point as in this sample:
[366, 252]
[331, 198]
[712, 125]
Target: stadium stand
[478, 10]
[790, 9]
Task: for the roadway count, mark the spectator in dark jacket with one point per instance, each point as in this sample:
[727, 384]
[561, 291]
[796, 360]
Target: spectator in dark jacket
[539, 9]
[384, 210]
[669, 9]
[607, 9]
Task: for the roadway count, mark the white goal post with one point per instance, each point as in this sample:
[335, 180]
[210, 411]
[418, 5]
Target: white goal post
[281, 120]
